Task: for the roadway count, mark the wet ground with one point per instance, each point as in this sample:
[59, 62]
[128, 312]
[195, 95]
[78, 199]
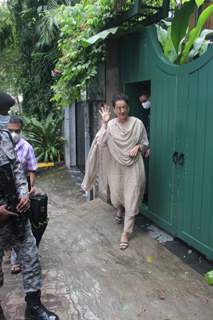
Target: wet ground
[87, 277]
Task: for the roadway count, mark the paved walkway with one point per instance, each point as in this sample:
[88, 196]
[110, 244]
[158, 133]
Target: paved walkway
[87, 277]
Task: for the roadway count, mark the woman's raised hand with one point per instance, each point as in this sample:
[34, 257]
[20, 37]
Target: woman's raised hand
[105, 113]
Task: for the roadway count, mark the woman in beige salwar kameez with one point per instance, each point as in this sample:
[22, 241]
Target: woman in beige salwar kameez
[124, 138]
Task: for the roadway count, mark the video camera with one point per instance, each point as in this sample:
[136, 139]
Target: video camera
[8, 192]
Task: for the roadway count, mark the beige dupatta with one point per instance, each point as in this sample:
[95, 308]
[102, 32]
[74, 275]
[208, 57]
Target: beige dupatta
[118, 139]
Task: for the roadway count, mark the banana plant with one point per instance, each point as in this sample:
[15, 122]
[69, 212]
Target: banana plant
[194, 33]
[180, 43]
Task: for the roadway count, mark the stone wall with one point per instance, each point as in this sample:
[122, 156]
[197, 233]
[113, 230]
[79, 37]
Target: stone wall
[103, 87]
[112, 69]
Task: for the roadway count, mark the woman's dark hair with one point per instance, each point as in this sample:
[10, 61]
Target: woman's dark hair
[119, 97]
[17, 120]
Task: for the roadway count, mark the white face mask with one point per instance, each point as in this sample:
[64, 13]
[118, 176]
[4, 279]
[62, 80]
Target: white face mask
[4, 121]
[146, 105]
[16, 137]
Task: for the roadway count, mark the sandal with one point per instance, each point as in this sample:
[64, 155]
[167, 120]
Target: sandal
[124, 245]
[15, 269]
[118, 219]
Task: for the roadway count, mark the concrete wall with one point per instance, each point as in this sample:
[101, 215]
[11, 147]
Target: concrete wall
[112, 70]
[106, 84]
[101, 89]
[70, 136]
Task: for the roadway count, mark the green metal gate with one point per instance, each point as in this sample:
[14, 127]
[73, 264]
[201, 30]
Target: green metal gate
[195, 118]
[181, 161]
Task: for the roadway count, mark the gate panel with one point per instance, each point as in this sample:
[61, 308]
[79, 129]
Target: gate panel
[162, 140]
[196, 223]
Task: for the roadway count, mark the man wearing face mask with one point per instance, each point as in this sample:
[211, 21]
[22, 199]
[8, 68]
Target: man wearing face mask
[28, 163]
[15, 229]
[144, 99]
[24, 150]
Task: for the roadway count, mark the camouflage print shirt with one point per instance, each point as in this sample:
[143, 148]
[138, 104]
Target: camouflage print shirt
[8, 156]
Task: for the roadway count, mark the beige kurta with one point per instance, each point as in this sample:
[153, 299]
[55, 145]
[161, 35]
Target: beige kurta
[124, 175]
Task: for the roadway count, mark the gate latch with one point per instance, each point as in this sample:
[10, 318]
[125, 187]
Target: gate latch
[178, 158]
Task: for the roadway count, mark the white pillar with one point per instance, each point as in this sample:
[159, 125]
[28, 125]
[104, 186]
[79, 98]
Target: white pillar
[70, 136]
[67, 137]
[87, 141]
[73, 159]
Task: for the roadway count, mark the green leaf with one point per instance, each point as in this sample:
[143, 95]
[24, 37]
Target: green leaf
[195, 32]
[199, 42]
[101, 35]
[199, 2]
[180, 23]
[164, 37]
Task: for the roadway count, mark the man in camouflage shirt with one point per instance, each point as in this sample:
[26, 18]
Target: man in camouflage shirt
[25, 246]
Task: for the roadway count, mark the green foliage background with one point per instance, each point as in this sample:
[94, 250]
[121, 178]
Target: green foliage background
[39, 37]
[78, 60]
[47, 34]
[9, 54]
[35, 62]
[25, 70]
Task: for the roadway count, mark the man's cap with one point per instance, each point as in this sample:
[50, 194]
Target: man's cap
[144, 92]
[6, 101]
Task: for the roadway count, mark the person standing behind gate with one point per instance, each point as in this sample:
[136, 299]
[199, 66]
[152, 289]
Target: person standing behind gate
[146, 106]
[28, 163]
[144, 99]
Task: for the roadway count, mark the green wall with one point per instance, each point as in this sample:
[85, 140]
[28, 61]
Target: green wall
[180, 195]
